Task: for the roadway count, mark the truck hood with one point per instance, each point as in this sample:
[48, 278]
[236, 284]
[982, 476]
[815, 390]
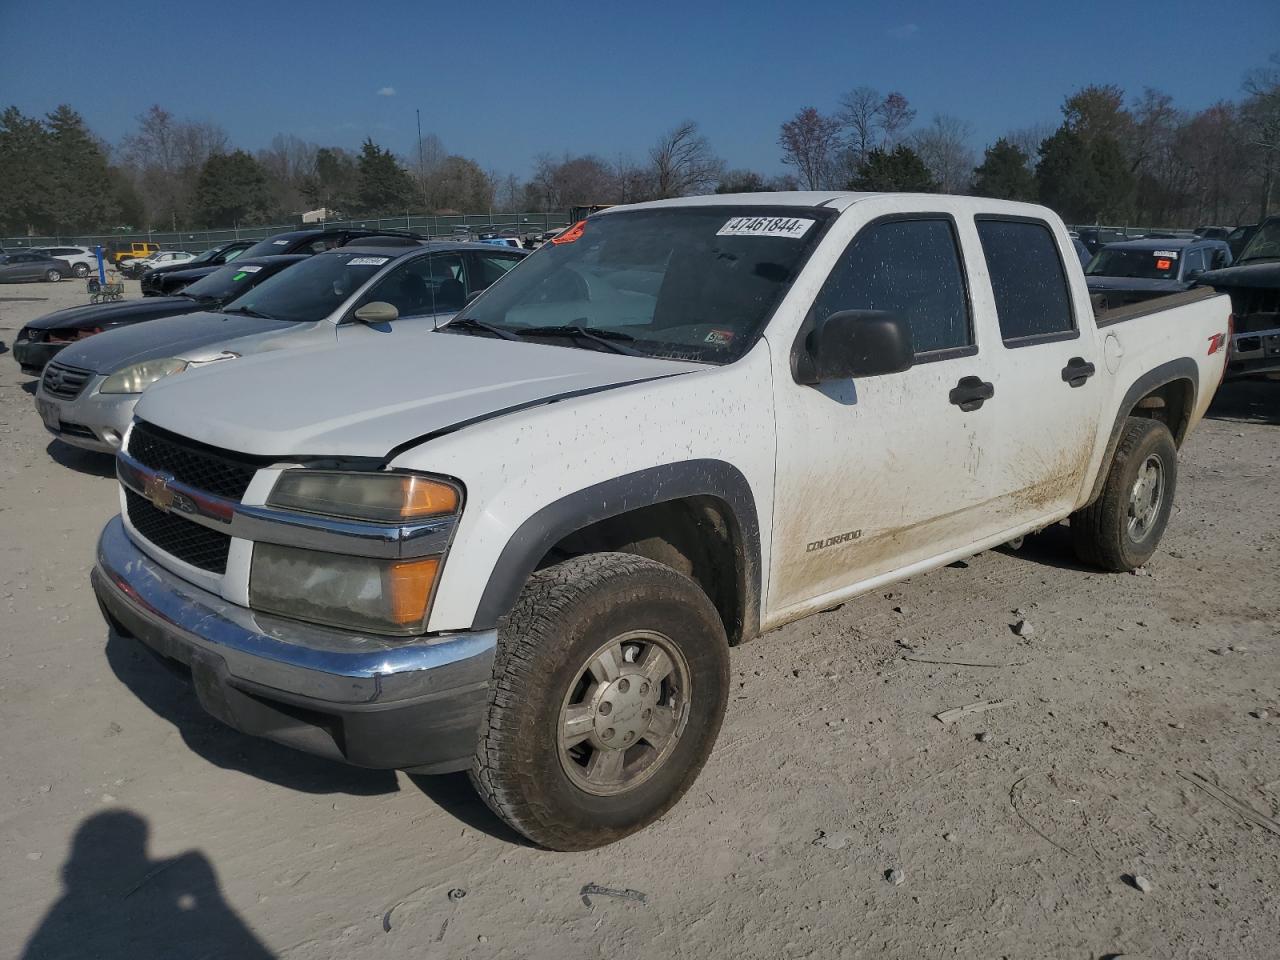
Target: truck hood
[1134, 283]
[166, 337]
[92, 315]
[1263, 275]
[364, 400]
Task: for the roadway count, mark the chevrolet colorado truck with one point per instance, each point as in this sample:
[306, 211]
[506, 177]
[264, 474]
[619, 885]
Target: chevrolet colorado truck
[524, 544]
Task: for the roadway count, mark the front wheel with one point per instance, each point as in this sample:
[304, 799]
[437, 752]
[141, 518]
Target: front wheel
[609, 687]
[1122, 528]
[53, 275]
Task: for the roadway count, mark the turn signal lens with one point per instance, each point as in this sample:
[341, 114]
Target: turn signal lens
[382, 497]
[409, 584]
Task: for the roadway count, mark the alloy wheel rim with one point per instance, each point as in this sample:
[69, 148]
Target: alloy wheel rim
[624, 713]
[1145, 498]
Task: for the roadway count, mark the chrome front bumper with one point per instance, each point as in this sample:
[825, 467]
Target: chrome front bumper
[368, 700]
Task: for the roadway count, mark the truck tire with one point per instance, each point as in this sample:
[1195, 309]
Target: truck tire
[609, 686]
[1122, 528]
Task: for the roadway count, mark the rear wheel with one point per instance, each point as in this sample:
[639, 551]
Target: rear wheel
[1122, 528]
[53, 275]
[81, 270]
[609, 687]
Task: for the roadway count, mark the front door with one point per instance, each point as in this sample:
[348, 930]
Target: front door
[881, 473]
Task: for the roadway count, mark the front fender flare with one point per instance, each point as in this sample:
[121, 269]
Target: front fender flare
[619, 495]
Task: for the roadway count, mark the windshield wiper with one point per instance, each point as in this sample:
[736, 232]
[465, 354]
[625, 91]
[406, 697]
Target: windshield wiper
[250, 312]
[607, 338]
[198, 297]
[471, 323]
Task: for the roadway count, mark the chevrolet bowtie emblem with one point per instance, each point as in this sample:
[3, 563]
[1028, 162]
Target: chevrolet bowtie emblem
[156, 489]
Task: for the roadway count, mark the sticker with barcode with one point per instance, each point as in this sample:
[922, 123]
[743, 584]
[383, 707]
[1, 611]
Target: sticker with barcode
[250, 268]
[1171, 254]
[280, 243]
[367, 261]
[792, 228]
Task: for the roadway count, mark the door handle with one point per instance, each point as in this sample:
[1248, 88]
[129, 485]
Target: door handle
[1077, 371]
[971, 393]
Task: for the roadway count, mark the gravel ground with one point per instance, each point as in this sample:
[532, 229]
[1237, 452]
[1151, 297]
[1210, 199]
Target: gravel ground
[1141, 748]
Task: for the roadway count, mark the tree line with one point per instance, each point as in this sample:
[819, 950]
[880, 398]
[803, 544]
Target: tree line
[1111, 158]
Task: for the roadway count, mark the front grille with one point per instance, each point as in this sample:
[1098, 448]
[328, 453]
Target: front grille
[199, 465]
[174, 534]
[64, 382]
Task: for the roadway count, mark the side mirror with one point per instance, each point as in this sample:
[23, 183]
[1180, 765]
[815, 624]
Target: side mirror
[1194, 274]
[379, 311]
[854, 343]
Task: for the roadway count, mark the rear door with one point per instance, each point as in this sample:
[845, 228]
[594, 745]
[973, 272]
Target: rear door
[1050, 394]
[877, 474]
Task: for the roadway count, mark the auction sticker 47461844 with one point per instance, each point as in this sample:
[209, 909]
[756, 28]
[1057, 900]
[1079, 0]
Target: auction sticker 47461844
[792, 228]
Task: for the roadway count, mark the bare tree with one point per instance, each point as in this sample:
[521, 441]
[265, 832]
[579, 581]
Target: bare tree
[557, 184]
[896, 116]
[860, 116]
[1262, 121]
[683, 162]
[165, 156]
[1028, 139]
[809, 142]
[944, 147]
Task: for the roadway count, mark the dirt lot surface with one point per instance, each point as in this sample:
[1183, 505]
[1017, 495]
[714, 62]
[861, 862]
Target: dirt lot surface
[1142, 739]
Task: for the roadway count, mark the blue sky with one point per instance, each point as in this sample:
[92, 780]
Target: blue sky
[503, 81]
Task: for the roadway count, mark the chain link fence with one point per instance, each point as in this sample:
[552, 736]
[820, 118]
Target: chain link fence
[195, 241]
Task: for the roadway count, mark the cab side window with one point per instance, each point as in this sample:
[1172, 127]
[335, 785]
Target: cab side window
[911, 268]
[1033, 303]
[422, 287]
[488, 268]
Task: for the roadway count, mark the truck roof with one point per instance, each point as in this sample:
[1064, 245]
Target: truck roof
[831, 199]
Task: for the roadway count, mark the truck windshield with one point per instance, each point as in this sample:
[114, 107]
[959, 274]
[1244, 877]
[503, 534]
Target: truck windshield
[1135, 264]
[686, 283]
[1265, 244]
[311, 290]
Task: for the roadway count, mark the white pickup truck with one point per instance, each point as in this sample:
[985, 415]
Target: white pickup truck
[524, 544]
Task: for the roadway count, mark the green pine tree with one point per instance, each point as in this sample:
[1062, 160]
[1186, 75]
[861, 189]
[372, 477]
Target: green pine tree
[1005, 173]
[24, 196]
[80, 195]
[383, 186]
[232, 189]
[897, 170]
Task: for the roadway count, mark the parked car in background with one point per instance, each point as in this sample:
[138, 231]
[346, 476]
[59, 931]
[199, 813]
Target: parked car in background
[213, 257]
[164, 258]
[1135, 270]
[82, 259]
[42, 339]
[1081, 251]
[341, 297]
[1095, 238]
[523, 545]
[1254, 285]
[309, 242]
[1239, 238]
[1212, 233]
[29, 265]
[118, 250]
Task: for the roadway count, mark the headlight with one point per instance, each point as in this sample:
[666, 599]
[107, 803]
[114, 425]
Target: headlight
[382, 596]
[381, 497]
[139, 376]
[390, 596]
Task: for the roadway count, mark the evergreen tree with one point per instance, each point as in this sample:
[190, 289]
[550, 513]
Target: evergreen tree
[1005, 173]
[232, 188]
[24, 144]
[79, 194]
[332, 184]
[896, 170]
[383, 186]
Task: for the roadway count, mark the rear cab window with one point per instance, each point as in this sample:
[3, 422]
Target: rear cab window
[911, 266]
[1028, 280]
